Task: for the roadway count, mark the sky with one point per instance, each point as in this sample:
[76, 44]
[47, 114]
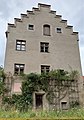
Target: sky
[71, 10]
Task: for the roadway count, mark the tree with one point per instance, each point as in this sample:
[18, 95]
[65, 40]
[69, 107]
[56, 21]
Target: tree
[2, 84]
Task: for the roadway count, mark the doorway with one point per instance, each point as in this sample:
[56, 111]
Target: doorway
[39, 101]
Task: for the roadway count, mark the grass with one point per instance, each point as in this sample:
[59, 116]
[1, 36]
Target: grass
[72, 113]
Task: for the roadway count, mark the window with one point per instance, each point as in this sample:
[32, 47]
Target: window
[18, 69]
[46, 30]
[58, 30]
[20, 45]
[44, 47]
[31, 27]
[64, 105]
[45, 69]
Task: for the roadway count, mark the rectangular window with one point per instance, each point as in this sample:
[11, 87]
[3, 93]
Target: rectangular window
[58, 30]
[44, 47]
[64, 105]
[18, 69]
[45, 69]
[46, 30]
[31, 27]
[20, 45]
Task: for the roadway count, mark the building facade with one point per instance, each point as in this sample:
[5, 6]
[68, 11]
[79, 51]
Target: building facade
[41, 41]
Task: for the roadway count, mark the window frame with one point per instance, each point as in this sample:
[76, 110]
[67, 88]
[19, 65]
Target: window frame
[19, 70]
[44, 47]
[64, 105]
[19, 44]
[46, 26]
[30, 27]
[58, 30]
[45, 69]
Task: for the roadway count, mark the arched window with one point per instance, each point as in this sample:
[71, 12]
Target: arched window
[46, 30]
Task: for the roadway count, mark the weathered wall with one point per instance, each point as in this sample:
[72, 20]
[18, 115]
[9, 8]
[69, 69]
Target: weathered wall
[63, 47]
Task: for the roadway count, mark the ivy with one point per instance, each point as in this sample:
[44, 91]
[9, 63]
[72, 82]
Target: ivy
[35, 82]
[3, 88]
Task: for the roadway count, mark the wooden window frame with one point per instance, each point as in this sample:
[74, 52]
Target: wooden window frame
[19, 69]
[44, 47]
[45, 68]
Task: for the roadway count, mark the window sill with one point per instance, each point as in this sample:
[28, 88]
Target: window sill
[31, 29]
[59, 32]
[46, 35]
[20, 50]
[44, 52]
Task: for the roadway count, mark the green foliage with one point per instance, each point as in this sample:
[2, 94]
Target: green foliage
[2, 74]
[3, 88]
[74, 104]
[74, 75]
[59, 74]
[35, 82]
[75, 113]
[19, 102]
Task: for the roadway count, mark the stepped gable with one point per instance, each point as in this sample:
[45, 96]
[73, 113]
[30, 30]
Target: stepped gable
[44, 5]
[52, 11]
[58, 16]
[63, 21]
[6, 34]
[11, 25]
[32, 12]
[69, 27]
[74, 33]
[17, 20]
[35, 9]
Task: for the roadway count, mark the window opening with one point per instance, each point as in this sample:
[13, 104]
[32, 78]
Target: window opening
[18, 69]
[20, 45]
[46, 30]
[44, 47]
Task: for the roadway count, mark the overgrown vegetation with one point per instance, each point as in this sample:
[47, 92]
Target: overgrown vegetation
[35, 82]
[3, 88]
[76, 113]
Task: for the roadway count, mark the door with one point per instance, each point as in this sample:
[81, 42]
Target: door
[39, 101]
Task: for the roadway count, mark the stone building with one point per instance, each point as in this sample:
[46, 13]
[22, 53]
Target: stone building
[41, 41]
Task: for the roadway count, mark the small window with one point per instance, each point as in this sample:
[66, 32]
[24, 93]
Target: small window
[18, 69]
[46, 30]
[58, 30]
[20, 45]
[64, 105]
[31, 27]
[45, 69]
[44, 47]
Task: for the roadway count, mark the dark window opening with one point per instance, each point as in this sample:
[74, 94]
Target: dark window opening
[59, 30]
[18, 69]
[44, 47]
[20, 45]
[45, 69]
[46, 30]
[64, 105]
[31, 27]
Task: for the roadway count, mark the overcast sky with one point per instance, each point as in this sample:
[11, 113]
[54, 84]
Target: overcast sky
[72, 10]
